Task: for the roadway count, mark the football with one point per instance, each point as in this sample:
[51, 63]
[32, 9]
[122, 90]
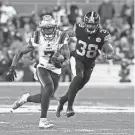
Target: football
[57, 58]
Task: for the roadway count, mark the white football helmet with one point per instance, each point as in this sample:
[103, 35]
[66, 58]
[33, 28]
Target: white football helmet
[48, 26]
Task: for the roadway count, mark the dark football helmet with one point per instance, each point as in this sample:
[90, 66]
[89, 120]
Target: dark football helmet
[92, 22]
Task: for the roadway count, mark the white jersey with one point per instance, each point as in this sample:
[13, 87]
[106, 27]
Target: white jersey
[46, 49]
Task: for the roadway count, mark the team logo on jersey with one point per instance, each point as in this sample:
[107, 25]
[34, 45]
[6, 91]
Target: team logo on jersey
[98, 39]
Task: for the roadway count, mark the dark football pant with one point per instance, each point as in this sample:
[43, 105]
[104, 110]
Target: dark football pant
[83, 75]
[49, 82]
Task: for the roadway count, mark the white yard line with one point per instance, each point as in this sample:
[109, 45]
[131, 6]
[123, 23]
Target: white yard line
[96, 84]
[79, 109]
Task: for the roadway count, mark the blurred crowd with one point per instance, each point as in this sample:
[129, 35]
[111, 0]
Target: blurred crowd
[15, 31]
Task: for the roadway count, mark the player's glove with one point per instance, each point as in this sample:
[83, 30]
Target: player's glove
[57, 60]
[58, 64]
[108, 56]
[11, 75]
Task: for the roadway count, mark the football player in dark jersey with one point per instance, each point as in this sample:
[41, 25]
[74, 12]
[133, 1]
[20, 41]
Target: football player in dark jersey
[91, 41]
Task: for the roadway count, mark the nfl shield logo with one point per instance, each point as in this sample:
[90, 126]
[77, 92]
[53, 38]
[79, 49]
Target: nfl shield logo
[98, 39]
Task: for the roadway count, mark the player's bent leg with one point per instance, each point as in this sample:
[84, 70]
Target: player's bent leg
[46, 93]
[34, 98]
[27, 98]
[73, 88]
[61, 103]
[45, 102]
[70, 111]
[86, 78]
[21, 101]
[69, 96]
[56, 79]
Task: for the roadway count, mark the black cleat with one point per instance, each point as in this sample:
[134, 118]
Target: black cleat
[70, 112]
[59, 109]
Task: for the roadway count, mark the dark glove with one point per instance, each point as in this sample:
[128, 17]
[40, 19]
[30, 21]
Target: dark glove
[58, 64]
[11, 75]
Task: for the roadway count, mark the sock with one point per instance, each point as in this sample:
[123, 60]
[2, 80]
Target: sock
[73, 89]
[45, 99]
[43, 119]
[34, 98]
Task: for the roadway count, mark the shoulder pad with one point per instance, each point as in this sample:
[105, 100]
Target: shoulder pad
[36, 36]
[34, 39]
[103, 31]
[62, 38]
[106, 35]
[81, 25]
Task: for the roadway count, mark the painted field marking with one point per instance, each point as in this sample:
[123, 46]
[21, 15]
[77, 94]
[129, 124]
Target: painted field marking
[78, 109]
[67, 130]
[96, 84]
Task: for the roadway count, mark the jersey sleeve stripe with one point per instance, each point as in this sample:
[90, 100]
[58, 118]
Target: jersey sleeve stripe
[36, 37]
[107, 38]
[62, 38]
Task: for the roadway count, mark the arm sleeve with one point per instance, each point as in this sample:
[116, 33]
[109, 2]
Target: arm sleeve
[35, 39]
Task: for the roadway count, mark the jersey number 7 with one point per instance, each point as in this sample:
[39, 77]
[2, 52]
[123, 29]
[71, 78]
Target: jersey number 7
[49, 54]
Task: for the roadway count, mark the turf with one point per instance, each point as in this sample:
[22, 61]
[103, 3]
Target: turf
[83, 123]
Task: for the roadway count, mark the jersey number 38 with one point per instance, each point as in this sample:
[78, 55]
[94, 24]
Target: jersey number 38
[89, 52]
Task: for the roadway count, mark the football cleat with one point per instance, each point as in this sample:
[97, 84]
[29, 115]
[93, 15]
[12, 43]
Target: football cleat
[21, 101]
[59, 109]
[45, 124]
[70, 112]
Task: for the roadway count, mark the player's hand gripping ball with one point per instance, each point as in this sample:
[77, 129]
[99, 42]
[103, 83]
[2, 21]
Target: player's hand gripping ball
[57, 59]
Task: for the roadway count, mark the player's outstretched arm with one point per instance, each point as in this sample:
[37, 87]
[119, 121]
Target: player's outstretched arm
[11, 73]
[26, 49]
[107, 51]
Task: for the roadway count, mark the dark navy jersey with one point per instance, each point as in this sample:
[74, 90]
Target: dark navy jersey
[88, 44]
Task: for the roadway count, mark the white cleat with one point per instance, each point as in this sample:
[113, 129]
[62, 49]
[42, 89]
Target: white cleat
[45, 124]
[21, 101]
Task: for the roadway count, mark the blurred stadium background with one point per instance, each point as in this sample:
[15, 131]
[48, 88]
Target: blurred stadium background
[18, 19]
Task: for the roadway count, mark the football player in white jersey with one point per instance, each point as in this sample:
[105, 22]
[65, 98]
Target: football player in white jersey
[54, 54]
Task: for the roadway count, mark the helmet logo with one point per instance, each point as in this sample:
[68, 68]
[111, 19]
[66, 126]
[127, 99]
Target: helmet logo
[91, 19]
[98, 39]
[47, 17]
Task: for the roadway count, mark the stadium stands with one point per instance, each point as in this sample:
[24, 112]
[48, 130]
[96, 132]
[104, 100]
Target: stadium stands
[32, 5]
